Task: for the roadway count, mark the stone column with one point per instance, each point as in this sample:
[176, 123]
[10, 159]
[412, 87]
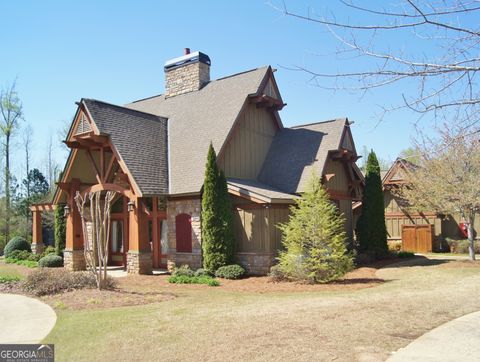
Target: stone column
[73, 257]
[37, 238]
[139, 256]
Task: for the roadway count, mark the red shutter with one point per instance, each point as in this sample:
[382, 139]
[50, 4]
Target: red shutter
[183, 227]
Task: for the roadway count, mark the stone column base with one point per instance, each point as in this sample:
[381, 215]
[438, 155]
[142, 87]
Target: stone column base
[139, 262]
[37, 248]
[74, 260]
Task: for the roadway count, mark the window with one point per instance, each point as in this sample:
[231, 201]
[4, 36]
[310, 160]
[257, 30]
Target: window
[183, 229]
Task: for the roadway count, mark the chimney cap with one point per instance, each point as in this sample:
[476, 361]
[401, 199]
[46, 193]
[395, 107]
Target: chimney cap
[186, 59]
[186, 51]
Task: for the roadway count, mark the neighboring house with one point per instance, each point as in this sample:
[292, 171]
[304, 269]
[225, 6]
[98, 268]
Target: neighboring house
[153, 153]
[397, 215]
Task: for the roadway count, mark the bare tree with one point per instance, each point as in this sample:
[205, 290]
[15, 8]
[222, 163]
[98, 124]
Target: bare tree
[11, 110]
[27, 144]
[440, 52]
[96, 232]
[446, 178]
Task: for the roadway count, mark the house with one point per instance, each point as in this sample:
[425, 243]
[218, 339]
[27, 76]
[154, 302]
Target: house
[397, 215]
[152, 152]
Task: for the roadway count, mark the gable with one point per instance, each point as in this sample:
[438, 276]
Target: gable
[347, 141]
[271, 89]
[245, 152]
[199, 118]
[83, 125]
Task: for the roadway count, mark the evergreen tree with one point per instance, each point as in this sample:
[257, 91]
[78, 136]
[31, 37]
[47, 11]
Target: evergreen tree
[314, 239]
[59, 229]
[371, 229]
[217, 217]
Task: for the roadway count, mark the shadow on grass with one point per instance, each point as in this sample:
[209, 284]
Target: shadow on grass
[417, 260]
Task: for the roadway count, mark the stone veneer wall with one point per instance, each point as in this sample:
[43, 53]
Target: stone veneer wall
[191, 207]
[186, 78]
[256, 263]
[139, 262]
[74, 260]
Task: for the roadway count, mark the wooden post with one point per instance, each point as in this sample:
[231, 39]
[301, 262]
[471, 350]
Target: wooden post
[139, 257]
[155, 236]
[37, 238]
[73, 254]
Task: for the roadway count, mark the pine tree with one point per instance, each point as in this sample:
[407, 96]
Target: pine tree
[371, 229]
[314, 239]
[217, 217]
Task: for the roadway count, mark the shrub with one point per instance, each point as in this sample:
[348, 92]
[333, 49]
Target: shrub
[9, 278]
[48, 250]
[461, 246]
[184, 270]
[16, 243]
[184, 279]
[59, 228]
[405, 254]
[51, 261]
[314, 239]
[395, 245]
[202, 273]
[364, 258]
[19, 255]
[45, 281]
[233, 271]
[276, 274]
[27, 263]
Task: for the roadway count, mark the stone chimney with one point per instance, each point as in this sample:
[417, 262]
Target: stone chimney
[188, 73]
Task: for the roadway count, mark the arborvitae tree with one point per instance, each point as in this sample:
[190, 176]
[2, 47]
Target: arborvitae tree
[371, 229]
[59, 229]
[217, 218]
[314, 239]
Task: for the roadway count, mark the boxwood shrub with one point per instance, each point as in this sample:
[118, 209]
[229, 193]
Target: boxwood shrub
[233, 271]
[16, 243]
[51, 261]
[184, 279]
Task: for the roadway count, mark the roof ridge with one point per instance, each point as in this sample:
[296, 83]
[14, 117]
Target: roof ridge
[124, 108]
[212, 81]
[240, 73]
[320, 122]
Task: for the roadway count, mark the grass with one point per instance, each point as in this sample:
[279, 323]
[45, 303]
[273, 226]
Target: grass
[219, 324]
[27, 263]
[184, 279]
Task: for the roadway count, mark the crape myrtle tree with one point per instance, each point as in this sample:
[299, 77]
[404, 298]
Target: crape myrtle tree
[371, 229]
[217, 217]
[447, 176]
[314, 239]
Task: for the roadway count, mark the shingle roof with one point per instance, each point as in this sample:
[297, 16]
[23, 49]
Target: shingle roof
[258, 189]
[139, 138]
[195, 119]
[297, 151]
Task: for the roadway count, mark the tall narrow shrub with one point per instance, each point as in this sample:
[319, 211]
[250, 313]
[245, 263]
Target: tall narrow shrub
[59, 229]
[371, 229]
[217, 217]
[314, 239]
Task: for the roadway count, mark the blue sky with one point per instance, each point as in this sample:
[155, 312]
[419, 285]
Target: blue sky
[60, 51]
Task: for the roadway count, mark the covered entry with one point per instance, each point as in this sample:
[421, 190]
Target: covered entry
[417, 238]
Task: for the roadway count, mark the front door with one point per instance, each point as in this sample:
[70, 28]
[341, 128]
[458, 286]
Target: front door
[117, 247]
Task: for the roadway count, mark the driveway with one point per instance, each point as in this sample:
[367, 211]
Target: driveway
[24, 320]
[457, 340]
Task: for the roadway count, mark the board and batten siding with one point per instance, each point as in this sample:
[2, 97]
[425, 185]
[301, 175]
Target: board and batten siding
[346, 211]
[247, 149]
[339, 182]
[256, 229]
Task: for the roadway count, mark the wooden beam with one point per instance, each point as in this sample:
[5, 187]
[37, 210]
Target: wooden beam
[109, 168]
[94, 165]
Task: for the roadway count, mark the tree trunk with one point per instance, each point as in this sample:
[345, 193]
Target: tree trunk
[7, 188]
[471, 238]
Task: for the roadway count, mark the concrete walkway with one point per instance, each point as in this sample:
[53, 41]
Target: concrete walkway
[457, 340]
[24, 320]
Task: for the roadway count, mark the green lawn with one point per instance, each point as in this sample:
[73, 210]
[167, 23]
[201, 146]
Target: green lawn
[215, 324]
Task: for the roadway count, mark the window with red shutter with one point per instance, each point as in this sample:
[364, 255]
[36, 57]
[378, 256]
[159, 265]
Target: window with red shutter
[183, 227]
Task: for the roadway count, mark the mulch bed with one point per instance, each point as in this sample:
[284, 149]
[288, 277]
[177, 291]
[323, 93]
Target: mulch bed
[98, 299]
